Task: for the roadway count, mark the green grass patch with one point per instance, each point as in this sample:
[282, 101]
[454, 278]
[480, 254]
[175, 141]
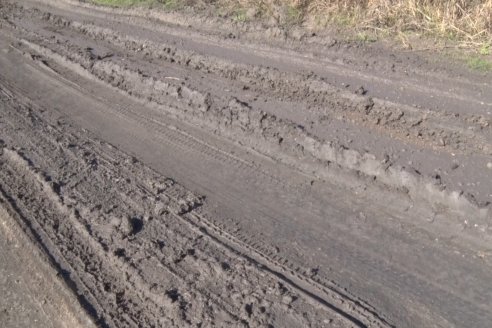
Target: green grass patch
[366, 37]
[240, 15]
[294, 15]
[479, 64]
[485, 49]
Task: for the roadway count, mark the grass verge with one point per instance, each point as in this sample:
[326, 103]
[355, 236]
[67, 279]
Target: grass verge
[465, 23]
[479, 64]
[466, 20]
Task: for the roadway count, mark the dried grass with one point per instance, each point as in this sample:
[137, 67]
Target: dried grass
[468, 21]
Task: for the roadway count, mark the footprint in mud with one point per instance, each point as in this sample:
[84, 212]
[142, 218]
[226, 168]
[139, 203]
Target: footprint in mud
[173, 295]
[131, 226]
[120, 252]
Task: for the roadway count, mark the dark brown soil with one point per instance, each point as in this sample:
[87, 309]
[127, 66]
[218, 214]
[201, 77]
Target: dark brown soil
[213, 175]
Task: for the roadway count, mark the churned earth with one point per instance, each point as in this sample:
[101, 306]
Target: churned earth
[169, 169]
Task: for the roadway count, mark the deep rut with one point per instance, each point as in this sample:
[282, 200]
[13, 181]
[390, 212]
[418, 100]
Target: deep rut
[178, 177]
[247, 121]
[165, 264]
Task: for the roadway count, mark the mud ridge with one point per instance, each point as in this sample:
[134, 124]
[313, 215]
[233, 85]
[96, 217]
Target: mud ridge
[181, 177]
[292, 274]
[286, 141]
[400, 121]
[85, 209]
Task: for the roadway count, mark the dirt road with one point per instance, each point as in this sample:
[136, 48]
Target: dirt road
[180, 171]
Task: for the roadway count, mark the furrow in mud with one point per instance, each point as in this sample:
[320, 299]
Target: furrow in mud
[333, 293]
[289, 141]
[317, 290]
[278, 138]
[429, 126]
[52, 228]
[123, 242]
[293, 201]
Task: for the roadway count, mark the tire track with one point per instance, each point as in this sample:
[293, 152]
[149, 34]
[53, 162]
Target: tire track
[314, 291]
[316, 156]
[81, 223]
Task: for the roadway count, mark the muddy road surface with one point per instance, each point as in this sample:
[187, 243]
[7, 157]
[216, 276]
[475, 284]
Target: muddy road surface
[172, 170]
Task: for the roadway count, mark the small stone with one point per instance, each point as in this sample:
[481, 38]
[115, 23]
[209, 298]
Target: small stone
[489, 165]
[251, 13]
[126, 226]
[361, 91]
[287, 299]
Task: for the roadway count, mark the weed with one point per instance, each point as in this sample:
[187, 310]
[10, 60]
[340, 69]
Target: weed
[293, 15]
[240, 16]
[485, 49]
[479, 64]
[366, 37]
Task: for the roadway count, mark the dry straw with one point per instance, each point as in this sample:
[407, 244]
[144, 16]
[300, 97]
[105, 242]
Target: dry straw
[464, 20]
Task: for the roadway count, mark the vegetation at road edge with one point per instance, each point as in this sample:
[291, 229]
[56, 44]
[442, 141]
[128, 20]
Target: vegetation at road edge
[468, 23]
